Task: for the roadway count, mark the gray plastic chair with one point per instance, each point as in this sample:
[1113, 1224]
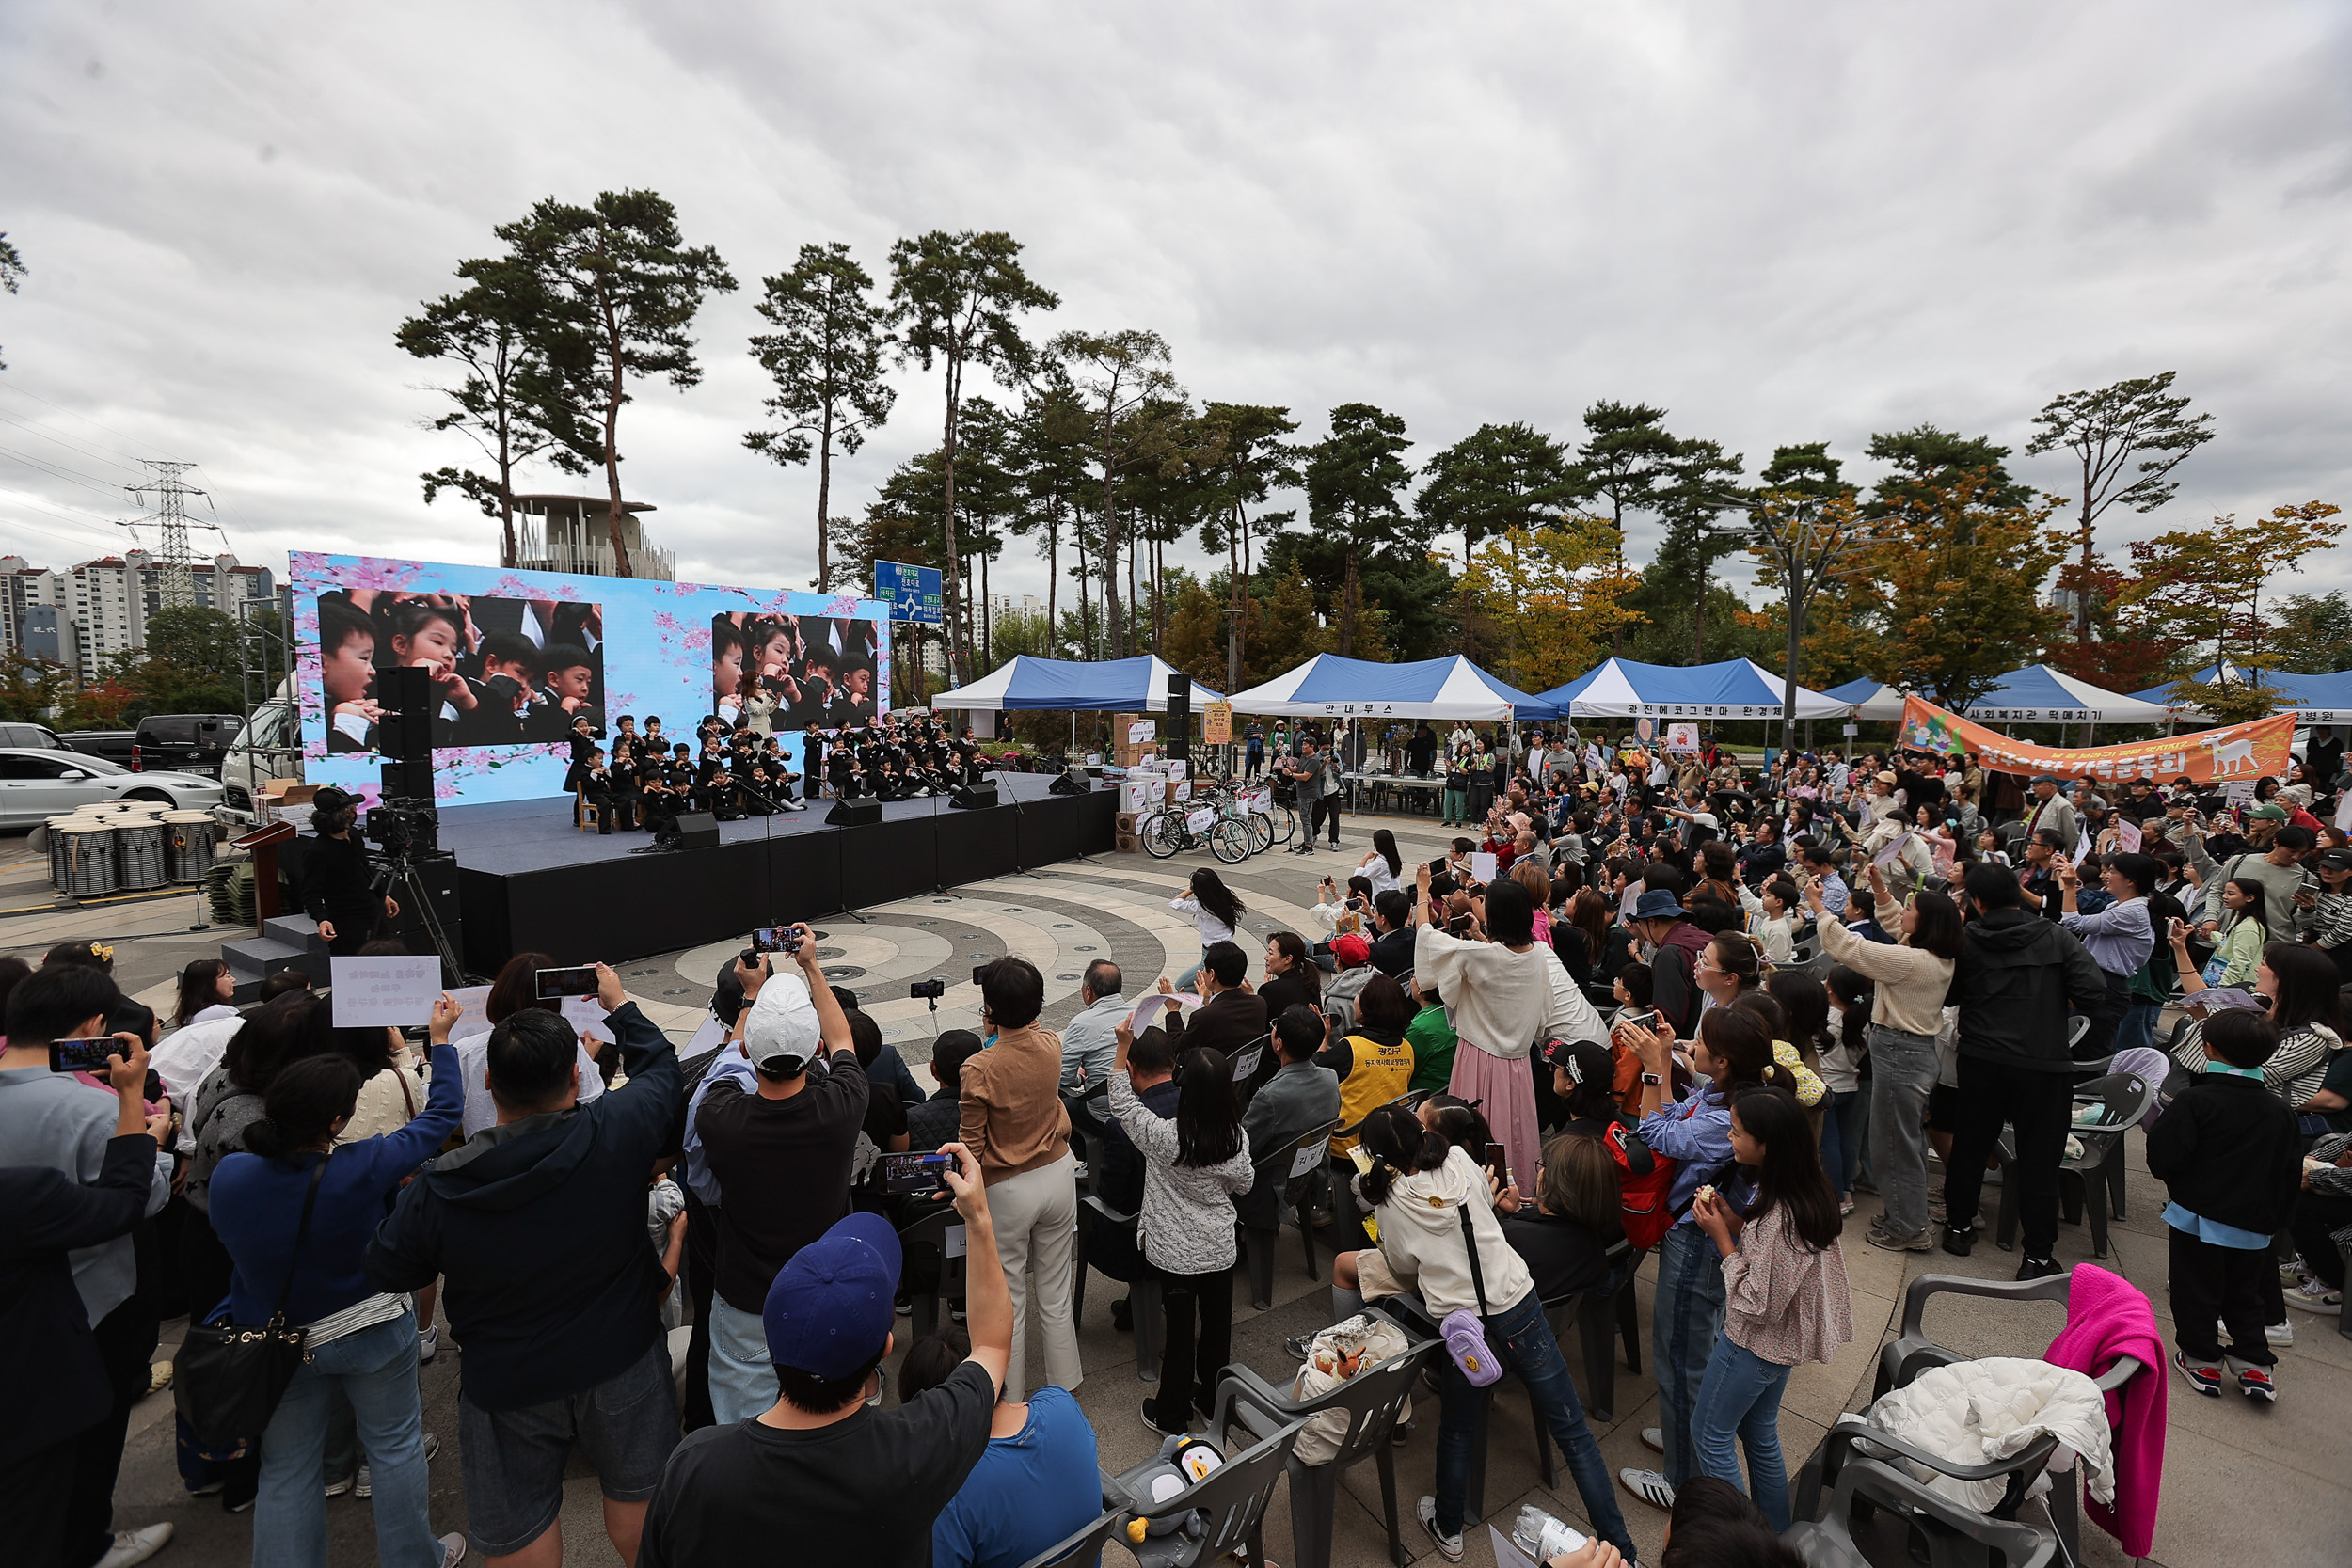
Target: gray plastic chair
[929, 1235]
[1086, 1546]
[1275, 1166]
[1143, 1292]
[1372, 1399]
[1232, 1498]
[1955, 1535]
[2097, 1177]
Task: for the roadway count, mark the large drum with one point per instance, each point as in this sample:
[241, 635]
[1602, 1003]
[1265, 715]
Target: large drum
[188, 844]
[54, 834]
[139, 853]
[90, 860]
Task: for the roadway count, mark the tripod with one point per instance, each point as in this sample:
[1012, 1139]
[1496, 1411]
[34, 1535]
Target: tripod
[402, 875]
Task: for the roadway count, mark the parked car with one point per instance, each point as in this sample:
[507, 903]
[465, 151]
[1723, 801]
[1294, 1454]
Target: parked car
[190, 742]
[114, 744]
[39, 736]
[36, 785]
[269, 747]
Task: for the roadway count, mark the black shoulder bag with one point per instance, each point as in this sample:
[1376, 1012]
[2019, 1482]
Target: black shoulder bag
[227, 1378]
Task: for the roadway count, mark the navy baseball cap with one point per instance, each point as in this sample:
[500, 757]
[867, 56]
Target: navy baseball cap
[830, 1307]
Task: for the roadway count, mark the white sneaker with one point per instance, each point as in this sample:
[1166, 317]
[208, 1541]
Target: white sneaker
[2280, 1333]
[452, 1550]
[366, 1486]
[428, 1342]
[1650, 1487]
[1654, 1440]
[337, 1488]
[2313, 1296]
[1449, 1546]
[137, 1545]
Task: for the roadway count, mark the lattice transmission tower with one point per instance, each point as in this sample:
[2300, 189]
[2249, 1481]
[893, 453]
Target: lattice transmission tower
[164, 497]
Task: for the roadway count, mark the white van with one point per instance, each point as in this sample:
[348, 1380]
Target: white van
[269, 747]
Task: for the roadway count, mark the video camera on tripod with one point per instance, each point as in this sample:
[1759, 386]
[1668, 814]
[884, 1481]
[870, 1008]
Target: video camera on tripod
[410, 865]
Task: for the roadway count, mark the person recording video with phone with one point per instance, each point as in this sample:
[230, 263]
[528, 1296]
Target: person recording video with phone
[768, 1126]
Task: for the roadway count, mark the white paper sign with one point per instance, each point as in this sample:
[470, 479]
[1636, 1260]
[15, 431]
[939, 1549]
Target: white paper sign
[1682, 738]
[1142, 730]
[395, 989]
[953, 1244]
[1202, 820]
[586, 1014]
[475, 1018]
[712, 1036]
[1482, 866]
[1307, 1159]
[1147, 1011]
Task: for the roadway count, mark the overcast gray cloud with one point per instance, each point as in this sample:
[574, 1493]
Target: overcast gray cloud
[1782, 223]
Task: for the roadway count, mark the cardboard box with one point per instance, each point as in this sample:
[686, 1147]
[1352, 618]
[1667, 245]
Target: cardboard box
[1128, 844]
[290, 792]
[1127, 820]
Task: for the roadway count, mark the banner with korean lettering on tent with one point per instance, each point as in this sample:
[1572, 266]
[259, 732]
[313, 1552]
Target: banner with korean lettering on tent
[2232, 752]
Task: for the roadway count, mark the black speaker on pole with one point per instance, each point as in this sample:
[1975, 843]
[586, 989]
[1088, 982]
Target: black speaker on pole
[970, 797]
[404, 732]
[1179, 718]
[854, 813]
[697, 830]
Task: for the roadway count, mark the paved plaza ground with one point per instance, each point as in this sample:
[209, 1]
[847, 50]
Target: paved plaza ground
[2244, 1483]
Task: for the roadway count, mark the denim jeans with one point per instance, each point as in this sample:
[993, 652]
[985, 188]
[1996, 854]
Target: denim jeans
[2138, 1027]
[376, 1370]
[742, 1378]
[1903, 1070]
[1685, 1320]
[1521, 1337]
[1741, 1397]
[1839, 1148]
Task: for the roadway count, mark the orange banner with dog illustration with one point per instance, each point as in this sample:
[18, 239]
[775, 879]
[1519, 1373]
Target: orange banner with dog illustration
[2233, 752]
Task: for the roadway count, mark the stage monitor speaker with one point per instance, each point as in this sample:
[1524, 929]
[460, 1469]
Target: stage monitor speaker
[854, 813]
[697, 830]
[972, 797]
[1071, 782]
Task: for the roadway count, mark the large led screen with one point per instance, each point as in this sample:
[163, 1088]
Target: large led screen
[517, 657]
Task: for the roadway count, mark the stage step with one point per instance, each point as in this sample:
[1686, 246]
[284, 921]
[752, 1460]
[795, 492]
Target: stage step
[259, 958]
[297, 930]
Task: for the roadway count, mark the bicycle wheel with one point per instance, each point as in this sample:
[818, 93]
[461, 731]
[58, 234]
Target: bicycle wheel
[1261, 833]
[1163, 834]
[1285, 823]
[1229, 840]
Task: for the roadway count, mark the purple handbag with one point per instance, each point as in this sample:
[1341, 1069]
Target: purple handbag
[1465, 1331]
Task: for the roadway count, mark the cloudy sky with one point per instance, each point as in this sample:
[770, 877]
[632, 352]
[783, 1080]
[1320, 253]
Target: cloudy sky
[1783, 224]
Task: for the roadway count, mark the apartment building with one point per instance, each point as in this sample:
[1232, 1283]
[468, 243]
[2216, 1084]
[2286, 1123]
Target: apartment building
[80, 615]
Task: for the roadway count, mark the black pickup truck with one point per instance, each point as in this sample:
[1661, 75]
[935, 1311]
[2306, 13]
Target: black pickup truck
[114, 744]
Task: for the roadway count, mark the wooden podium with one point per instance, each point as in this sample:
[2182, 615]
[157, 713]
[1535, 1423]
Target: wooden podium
[263, 841]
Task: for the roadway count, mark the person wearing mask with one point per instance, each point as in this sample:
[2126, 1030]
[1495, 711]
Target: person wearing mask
[1911, 977]
[335, 890]
[1194, 1165]
[836, 1478]
[2015, 982]
[55, 1379]
[1231, 1018]
[1434, 1204]
[1036, 1486]
[1733, 1052]
[770, 1126]
[538, 1226]
[1015, 1127]
[1784, 1293]
[2120, 937]
[51, 1121]
[1292, 979]
[296, 1211]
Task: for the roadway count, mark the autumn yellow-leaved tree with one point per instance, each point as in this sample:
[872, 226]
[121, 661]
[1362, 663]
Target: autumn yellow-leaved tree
[1545, 601]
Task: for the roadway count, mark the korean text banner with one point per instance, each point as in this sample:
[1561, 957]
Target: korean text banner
[517, 657]
[2246, 751]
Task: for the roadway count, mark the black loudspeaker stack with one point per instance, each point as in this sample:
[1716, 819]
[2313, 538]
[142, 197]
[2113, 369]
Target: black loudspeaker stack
[969, 797]
[697, 830]
[851, 813]
[1179, 748]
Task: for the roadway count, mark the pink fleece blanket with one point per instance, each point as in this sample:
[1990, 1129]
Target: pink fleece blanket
[2107, 1317]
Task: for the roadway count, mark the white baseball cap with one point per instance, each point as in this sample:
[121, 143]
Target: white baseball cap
[782, 1029]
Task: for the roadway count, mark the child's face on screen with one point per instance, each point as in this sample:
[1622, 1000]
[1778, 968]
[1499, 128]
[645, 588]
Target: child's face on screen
[570, 683]
[727, 670]
[349, 669]
[433, 645]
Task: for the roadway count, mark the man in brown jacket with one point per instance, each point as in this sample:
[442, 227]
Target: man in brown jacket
[1014, 1123]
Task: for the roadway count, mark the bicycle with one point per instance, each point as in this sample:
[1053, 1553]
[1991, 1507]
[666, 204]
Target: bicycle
[1226, 831]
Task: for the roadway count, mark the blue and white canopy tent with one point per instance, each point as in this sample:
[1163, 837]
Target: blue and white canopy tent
[1330, 687]
[2313, 699]
[1736, 688]
[1138, 685]
[1869, 699]
[2039, 695]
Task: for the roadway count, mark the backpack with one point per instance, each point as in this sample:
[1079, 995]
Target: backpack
[1646, 1215]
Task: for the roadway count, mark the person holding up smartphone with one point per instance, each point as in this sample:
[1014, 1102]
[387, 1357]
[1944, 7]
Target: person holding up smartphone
[74, 1327]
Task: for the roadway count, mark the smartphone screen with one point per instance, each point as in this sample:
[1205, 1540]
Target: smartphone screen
[1460, 925]
[83, 1056]
[764, 940]
[977, 970]
[915, 1173]
[1497, 1156]
[556, 983]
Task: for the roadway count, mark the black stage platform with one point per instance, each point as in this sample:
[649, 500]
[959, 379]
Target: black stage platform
[529, 881]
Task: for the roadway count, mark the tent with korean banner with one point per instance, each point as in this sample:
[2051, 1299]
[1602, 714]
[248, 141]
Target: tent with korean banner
[1735, 689]
[2312, 699]
[1138, 685]
[1869, 699]
[1330, 686]
[2038, 695]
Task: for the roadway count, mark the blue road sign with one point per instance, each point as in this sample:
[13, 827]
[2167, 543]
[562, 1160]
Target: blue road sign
[913, 592]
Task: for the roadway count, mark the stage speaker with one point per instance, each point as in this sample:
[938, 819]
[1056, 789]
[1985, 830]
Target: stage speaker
[434, 876]
[1071, 782]
[854, 813]
[697, 830]
[972, 797]
[1179, 745]
[404, 732]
